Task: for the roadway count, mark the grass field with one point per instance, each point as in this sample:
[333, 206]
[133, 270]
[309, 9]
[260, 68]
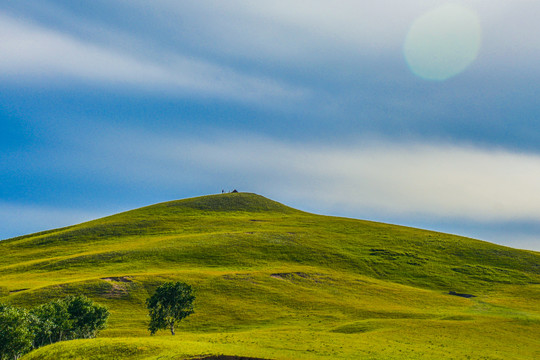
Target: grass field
[277, 283]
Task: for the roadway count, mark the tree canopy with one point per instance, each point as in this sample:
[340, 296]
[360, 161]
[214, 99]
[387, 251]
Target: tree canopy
[73, 317]
[15, 332]
[171, 303]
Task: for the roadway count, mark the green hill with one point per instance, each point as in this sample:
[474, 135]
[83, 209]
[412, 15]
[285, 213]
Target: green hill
[278, 283]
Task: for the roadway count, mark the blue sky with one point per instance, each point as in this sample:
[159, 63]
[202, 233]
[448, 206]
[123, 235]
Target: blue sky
[423, 113]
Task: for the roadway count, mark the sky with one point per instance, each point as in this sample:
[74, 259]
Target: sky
[422, 113]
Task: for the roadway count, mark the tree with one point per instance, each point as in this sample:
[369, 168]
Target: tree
[87, 317]
[171, 303]
[15, 334]
[51, 324]
[73, 317]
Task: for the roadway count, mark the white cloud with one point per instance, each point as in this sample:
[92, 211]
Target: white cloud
[321, 38]
[33, 53]
[307, 32]
[290, 31]
[375, 177]
[490, 192]
[428, 179]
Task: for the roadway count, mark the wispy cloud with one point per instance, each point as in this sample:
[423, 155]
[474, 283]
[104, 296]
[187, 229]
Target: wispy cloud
[291, 31]
[334, 68]
[33, 53]
[377, 177]
[21, 219]
[307, 32]
[416, 183]
[432, 180]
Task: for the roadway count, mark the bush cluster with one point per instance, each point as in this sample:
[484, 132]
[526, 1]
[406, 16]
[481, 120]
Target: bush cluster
[73, 317]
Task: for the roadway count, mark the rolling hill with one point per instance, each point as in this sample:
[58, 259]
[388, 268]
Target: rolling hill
[274, 282]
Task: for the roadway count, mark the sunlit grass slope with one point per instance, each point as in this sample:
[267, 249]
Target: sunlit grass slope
[277, 283]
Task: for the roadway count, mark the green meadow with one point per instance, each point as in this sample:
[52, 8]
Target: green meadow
[273, 282]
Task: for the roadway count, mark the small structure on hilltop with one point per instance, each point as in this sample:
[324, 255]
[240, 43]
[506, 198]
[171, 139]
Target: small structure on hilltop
[229, 192]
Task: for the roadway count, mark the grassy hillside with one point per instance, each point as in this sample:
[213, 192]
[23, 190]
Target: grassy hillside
[274, 282]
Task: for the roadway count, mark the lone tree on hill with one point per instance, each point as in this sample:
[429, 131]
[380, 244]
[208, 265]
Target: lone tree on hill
[170, 303]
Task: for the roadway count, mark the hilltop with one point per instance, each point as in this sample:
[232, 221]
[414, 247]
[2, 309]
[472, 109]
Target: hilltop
[276, 282]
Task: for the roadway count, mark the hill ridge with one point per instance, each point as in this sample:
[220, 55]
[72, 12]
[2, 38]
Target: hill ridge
[240, 201]
[264, 271]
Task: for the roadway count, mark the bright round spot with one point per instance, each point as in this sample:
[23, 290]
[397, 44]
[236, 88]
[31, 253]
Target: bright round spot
[443, 42]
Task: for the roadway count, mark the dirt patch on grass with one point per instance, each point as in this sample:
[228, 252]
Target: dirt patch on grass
[289, 276]
[120, 286]
[225, 357]
[126, 279]
[458, 318]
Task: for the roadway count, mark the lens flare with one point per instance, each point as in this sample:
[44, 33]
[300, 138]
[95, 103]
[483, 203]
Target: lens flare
[443, 42]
